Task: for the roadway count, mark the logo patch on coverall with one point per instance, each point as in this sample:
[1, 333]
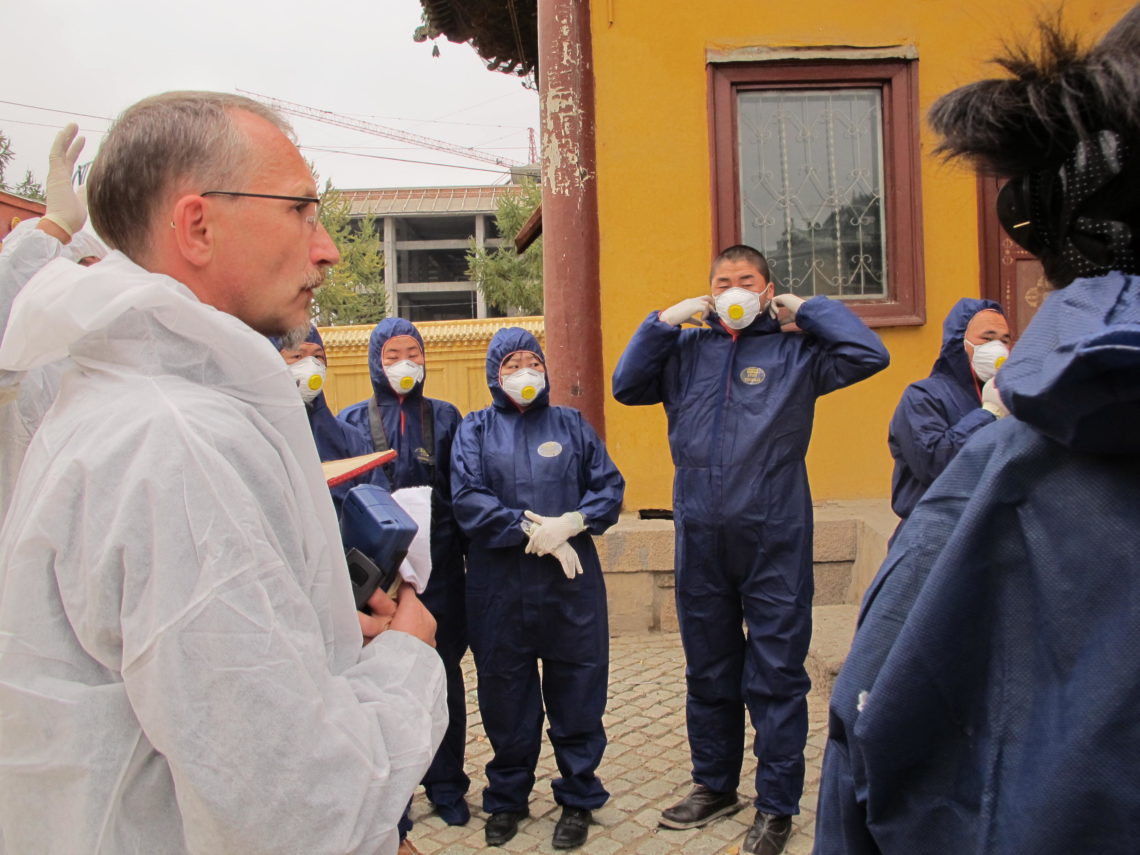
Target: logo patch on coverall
[550, 449]
[753, 376]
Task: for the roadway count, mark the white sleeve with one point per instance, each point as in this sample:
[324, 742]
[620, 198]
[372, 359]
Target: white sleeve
[225, 658]
[23, 400]
[25, 251]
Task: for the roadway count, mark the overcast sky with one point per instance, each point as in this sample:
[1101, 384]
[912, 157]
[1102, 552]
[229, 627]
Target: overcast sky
[356, 58]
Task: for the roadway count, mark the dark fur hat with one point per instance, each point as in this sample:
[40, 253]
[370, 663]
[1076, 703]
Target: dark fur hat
[1067, 117]
[1054, 97]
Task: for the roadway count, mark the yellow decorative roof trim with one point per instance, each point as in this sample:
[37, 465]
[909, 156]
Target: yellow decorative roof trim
[475, 331]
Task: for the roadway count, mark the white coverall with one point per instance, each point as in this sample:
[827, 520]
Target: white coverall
[26, 250]
[181, 668]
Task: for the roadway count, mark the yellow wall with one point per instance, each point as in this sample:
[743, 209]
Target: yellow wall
[655, 204]
[454, 351]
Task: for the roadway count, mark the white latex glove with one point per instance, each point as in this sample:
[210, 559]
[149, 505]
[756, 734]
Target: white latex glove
[568, 558]
[991, 399]
[550, 532]
[786, 307]
[64, 206]
[698, 307]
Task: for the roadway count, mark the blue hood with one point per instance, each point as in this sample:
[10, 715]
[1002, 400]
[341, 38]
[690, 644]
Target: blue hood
[1075, 374]
[505, 342]
[314, 336]
[952, 358]
[386, 329]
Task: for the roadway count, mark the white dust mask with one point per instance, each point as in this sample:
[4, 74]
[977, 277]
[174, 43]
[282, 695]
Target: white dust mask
[988, 358]
[524, 386]
[309, 375]
[738, 307]
[404, 375]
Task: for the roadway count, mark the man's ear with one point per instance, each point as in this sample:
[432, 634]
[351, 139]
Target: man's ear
[193, 230]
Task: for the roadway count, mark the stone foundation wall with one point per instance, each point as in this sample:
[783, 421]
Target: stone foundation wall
[637, 558]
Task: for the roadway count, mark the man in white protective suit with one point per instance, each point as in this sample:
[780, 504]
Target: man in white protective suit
[181, 662]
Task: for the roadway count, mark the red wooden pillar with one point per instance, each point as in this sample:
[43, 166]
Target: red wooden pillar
[570, 209]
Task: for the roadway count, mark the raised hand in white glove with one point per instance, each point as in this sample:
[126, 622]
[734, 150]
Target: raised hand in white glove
[787, 305]
[549, 532]
[64, 206]
[991, 399]
[568, 558]
[698, 307]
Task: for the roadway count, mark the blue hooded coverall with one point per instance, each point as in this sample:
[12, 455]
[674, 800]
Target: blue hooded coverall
[989, 701]
[937, 415]
[403, 418]
[521, 608]
[740, 407]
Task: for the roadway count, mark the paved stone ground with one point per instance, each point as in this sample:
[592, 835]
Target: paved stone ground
[645, 768]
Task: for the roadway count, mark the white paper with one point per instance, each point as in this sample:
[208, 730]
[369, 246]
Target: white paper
[416, 501]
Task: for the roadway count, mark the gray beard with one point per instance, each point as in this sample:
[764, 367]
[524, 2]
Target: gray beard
[295, 337]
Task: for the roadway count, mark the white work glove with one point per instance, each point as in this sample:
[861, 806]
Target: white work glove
[698, 307]
[787, 305]
[991, 399]
[549, 533]
[568, 558]
[64, 207]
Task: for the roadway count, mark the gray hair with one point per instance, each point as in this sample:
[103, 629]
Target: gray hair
[158, 142]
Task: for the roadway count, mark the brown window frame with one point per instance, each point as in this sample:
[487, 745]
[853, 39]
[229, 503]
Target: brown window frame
[905, 303]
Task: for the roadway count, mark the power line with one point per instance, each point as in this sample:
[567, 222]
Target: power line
[412, 121]
[393, 147]
[315, 113]
[49, 125]
[53, 110]
[403, 160]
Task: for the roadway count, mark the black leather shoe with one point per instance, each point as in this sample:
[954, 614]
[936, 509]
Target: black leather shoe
[700, 807]
[502, 826]
[768, 835]
[572, 828]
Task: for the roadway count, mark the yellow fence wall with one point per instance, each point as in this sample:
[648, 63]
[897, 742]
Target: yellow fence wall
[455, 355]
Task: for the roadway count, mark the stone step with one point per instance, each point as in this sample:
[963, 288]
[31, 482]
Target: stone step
[637, 558]
[832, 631]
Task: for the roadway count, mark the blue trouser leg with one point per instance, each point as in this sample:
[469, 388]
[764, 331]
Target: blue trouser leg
[776, 596]
[510, 703]
[710, 617]
[445, 781]
[714, 710]
[776, 696]
[575, 679]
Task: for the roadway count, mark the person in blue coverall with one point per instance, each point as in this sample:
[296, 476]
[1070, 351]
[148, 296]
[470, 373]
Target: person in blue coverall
[740, 398]
[938, 414]
[422, 429]
[988, 704]
[531, 482]
[334, 439]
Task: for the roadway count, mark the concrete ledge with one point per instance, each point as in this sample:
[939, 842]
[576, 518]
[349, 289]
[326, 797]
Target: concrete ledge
[832, 631]
[874, 523]
[637, 557]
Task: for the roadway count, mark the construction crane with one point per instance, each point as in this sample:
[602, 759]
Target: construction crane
[329, 118]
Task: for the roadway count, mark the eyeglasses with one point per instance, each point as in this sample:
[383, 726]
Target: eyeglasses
[308, 200]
